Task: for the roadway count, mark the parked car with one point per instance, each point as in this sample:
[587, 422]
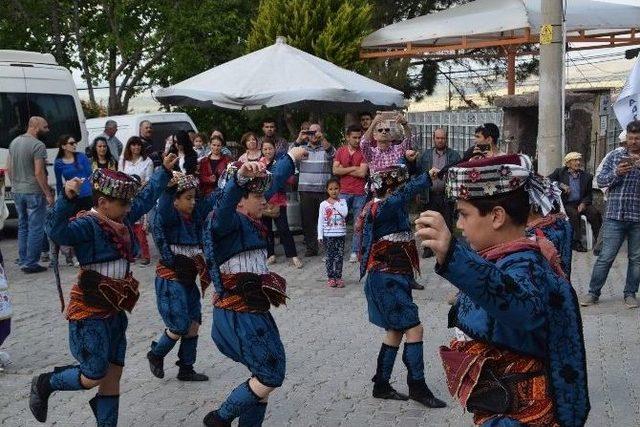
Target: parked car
[33, 84]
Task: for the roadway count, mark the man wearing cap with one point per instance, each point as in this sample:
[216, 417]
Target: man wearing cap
[576, 185]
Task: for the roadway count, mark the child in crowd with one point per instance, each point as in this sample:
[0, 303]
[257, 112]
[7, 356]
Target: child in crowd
[389, 257]
[5, 314]
[518, 357]
[177, 231]
[105, 245]
[332, 229]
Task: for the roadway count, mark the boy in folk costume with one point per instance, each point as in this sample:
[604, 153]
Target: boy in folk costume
[554, 226]
[235, 247]
[389, 257]
[519, 356]
[105, 246]
[177, 231]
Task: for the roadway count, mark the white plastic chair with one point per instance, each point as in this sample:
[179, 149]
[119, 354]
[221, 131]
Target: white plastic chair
[587, 236]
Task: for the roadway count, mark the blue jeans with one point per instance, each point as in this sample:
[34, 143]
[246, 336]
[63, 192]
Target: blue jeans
[355, 204]
[32, 211]
[613, 234]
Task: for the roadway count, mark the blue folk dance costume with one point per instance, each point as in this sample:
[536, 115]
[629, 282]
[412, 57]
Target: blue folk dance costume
[389, 257]
[520, 357]
[557, 229]
[105, 288]
[243, 329]
[179, 240]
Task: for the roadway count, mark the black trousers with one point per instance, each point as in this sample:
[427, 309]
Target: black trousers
[286, 239]
[309, 207]
[440, 203]
[592, 214]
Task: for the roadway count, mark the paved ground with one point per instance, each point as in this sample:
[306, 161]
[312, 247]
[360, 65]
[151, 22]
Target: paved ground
[331, 351]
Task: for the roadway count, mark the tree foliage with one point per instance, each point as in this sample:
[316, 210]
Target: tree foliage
[128, 45]
[329, 29]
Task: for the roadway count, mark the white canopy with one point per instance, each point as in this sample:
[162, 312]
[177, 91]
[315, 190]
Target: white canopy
[280, 75]
[493, 17]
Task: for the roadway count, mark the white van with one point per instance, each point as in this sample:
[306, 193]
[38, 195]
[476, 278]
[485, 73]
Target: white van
[163, 125]
[33, 84]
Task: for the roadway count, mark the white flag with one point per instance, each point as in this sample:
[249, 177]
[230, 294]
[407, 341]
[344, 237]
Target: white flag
[627, 106]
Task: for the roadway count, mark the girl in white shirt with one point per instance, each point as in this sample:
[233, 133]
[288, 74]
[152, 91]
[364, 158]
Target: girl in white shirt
[134, 162]
[332, 229]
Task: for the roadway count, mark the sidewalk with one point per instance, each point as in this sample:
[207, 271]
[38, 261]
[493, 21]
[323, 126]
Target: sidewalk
[331, 352]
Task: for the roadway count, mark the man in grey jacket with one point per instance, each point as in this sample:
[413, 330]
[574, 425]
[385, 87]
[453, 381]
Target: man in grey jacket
[432, 161]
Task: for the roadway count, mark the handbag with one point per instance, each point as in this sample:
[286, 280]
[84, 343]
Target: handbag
[271, 210]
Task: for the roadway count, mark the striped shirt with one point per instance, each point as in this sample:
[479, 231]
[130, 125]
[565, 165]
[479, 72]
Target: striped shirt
[254, 261]
[315, 170]
[623, 192]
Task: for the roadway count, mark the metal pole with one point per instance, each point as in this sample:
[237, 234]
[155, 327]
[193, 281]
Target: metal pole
[551, 104]
[511, 70]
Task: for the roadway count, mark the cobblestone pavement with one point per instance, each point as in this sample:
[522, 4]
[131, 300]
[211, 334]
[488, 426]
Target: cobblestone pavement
[331, 353]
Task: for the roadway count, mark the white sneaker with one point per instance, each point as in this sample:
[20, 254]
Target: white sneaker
[353, 258]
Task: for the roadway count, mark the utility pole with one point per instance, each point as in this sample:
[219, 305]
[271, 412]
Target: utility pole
[551, 97]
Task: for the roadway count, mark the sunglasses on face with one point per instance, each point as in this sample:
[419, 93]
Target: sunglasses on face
[385, 130]
[484, 147]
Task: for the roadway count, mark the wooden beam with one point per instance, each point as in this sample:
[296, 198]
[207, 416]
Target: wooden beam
[477, 42]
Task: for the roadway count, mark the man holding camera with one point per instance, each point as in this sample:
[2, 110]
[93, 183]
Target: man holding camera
[621, 175]
[315, 171]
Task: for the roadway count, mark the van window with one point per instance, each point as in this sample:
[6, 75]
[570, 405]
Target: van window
[161, 130]
[59, 111]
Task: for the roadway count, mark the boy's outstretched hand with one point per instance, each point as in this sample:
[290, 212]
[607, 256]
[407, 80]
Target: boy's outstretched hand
[434, 233]
[298, 153]
[72, 187]
[169, 161]
[252, 169]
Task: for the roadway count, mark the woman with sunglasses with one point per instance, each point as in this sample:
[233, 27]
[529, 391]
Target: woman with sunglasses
[70, 164]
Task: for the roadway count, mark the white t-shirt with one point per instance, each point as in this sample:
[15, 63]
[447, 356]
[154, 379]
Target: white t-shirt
[332, 219]
[142, 167]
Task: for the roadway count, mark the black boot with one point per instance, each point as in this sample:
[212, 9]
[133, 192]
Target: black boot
[213, 420]
[383, 390]
[39, 397]
[156, 364]
[419, 392]
[186, 373]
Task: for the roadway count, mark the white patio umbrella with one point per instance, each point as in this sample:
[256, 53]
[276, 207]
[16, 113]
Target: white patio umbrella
[280, 75]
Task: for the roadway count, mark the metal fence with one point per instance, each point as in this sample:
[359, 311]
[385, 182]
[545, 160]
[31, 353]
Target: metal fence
[460, 126]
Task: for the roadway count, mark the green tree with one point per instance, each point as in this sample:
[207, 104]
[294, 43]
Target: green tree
[329, 29]
[129, 45]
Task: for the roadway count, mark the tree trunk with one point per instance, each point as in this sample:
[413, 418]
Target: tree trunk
[86, 73]
[55, 29]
